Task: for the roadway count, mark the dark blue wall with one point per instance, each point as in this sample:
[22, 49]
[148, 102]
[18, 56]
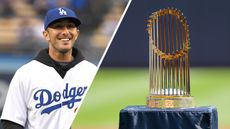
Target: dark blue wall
[209, 25]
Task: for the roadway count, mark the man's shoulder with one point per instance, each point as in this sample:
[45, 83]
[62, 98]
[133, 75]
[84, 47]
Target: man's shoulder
[87, 64]
[31, 66]
[85, 67]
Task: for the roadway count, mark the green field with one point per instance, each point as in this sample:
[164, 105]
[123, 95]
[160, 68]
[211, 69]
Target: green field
[115, 88]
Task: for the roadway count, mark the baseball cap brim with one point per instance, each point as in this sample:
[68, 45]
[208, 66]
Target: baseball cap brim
[77, 22]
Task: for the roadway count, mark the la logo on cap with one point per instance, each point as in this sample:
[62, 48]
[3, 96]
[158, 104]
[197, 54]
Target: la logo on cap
[62, 11]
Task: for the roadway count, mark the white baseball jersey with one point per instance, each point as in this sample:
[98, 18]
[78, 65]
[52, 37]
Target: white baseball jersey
[39, 98]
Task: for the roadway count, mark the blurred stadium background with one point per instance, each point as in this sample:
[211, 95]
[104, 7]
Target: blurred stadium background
[123, 77]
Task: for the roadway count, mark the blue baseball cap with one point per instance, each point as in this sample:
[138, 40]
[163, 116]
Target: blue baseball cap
[60, 13]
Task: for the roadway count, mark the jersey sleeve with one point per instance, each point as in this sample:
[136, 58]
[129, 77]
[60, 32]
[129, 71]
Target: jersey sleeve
[15, 105]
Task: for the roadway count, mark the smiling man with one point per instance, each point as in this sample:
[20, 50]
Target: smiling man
[47, 92]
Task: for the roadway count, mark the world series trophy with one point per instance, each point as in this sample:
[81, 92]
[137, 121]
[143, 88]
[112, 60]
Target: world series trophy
[169, 104]
[168, 60]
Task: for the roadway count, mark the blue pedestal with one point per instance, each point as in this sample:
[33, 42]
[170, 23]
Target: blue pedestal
[142, 117]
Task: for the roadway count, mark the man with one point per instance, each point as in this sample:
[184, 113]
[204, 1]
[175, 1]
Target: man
[47, 92]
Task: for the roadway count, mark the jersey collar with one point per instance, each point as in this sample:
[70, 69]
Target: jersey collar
[44, 58]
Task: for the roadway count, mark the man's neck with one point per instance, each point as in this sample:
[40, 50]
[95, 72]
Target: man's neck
[61, 57]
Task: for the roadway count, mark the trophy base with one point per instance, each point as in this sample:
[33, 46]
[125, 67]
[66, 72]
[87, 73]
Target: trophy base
[169, 101]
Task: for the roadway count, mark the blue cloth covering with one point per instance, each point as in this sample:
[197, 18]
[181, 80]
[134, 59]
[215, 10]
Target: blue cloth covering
[142, 117]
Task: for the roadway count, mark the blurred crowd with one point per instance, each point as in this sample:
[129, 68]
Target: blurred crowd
[21, 24]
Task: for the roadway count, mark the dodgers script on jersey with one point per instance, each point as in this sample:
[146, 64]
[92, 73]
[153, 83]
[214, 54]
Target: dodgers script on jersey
[45, 100]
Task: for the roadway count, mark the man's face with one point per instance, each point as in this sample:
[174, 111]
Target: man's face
[61, 35]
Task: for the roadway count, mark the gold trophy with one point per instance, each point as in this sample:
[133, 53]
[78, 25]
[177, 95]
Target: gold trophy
[169, 60]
